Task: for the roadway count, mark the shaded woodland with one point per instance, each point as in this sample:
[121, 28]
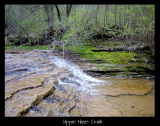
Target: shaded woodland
[41, 24]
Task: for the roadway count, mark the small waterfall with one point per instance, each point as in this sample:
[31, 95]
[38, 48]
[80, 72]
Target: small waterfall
[80, 81]
[60, 62]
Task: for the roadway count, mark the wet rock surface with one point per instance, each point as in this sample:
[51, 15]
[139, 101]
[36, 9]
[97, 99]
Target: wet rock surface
[61, 103]
[35, 86]
[22, 95]
[129, 97]
[24, 64]
[125, 86]
[23, 89]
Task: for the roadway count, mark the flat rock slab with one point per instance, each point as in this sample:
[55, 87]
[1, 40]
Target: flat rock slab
[120, 87]
[19, 100]
[29, 82]
[29, 78]
[17, 64]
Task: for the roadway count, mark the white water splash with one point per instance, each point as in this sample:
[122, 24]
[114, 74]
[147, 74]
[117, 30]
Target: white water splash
[60, 62]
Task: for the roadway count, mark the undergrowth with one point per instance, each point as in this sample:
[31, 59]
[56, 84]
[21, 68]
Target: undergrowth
[109, 57]
[43, 47]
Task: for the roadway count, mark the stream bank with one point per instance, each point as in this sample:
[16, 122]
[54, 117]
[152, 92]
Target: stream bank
[99, 67]
[112, 58]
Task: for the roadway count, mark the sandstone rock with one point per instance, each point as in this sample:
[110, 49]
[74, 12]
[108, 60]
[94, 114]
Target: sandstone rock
[29, 93]
[120, 87]
[30, 82]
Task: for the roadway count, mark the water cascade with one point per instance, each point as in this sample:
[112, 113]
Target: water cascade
[85, 82]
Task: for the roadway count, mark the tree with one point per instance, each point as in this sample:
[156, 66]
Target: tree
[135, 21]
[58, 13]
[68, 9]
[106, 15]
[96, 15]
[116, 16]
[49, 12]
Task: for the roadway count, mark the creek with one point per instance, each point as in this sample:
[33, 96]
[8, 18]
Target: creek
[74, 94]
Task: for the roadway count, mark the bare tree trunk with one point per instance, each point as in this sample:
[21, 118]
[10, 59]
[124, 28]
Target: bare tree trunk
[20, 19]
[125, 15]
[106, 15]
[49, 10]
[120, 19]
[96, 15]
[68, 9]
[116, 16]
[58, 13]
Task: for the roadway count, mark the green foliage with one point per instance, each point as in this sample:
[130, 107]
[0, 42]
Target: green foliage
[30, 41]
[59, 48]
[16, 40]
[110, 57]
[136, 22]
[133, 69]
[106, 67]
[44, 47]
[126, 70]
[130, 68]
[34, 24]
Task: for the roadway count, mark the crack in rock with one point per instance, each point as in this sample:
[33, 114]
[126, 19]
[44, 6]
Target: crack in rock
[27, 88]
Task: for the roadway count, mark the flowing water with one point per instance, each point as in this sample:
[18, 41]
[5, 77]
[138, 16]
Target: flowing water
[78, 94]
